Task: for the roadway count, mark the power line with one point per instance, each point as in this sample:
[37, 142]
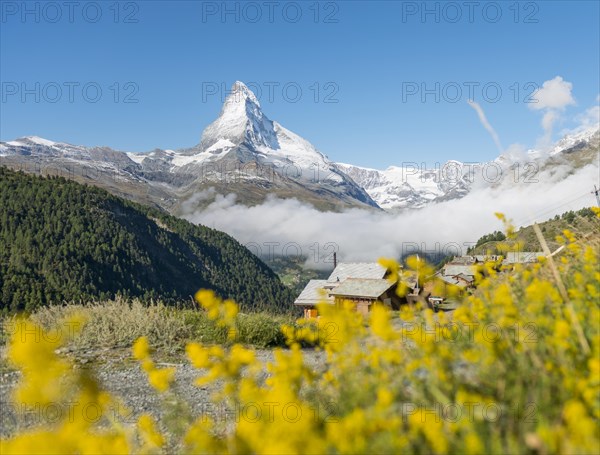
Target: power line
[549, 210]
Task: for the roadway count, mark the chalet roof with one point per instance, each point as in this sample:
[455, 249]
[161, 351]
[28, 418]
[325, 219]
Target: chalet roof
[448, 279]
[521, 257]
[465, 277]
[410, 281]
[344, 270]
[463, 260]
[471, 259]
[485, 257]
[368, 288]
[313, 293]
[454, 280]
[452, 269]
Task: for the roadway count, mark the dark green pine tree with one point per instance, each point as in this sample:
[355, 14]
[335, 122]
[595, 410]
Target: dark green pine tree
[63, 241]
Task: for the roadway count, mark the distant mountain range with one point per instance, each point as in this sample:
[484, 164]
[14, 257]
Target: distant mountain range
[245, 153]
[241, 152]
[415, 186]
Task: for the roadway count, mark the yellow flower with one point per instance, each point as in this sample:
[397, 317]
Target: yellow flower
[161, 379]
[141, 348]
[149, 432]
[372, 388]
[198, 355]
[473, 444]
[380, 323]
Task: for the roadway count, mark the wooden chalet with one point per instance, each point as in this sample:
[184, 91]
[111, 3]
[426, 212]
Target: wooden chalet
[365, 292]
[362, 283]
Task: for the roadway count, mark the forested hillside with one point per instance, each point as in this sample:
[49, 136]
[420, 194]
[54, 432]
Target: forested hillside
[63, 241]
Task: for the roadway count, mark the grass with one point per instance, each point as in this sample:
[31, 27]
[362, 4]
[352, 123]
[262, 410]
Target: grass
[118, 323]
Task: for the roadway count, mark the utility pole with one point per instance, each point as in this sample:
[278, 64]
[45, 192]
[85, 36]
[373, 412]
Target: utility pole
[597, 193]
[417, 289]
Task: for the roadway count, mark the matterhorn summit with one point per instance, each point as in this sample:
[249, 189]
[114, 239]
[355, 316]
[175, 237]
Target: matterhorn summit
[244, 132]
[271, 156]
[241, 121]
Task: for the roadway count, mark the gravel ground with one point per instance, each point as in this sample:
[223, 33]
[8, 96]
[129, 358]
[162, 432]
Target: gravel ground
[119, 374]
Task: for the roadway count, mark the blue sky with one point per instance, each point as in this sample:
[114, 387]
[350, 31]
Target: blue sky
[366, 57]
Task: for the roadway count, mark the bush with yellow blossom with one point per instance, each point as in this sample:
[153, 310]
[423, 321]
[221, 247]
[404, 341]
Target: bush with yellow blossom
[515, 369]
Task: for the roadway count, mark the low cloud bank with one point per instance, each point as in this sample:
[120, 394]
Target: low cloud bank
[291, 228]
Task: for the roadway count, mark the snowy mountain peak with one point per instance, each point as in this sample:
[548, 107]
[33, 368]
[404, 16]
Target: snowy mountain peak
[575, 139]
[241, 122]
[242, 152]
[39, 140]
[29, 140]
[240, 94]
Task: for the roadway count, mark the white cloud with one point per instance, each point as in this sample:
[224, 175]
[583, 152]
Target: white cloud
[552, 98]
[585, 121]
[484, 121]
[515, 153]
[548, 120]
[554, 94]
[290, 226]
[590, 118]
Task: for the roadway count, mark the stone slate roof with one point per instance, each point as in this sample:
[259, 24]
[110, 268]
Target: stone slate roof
[313, 294]
[452, 269]
[317, 291]
[368, 288]
[345, 270]
[465, 277]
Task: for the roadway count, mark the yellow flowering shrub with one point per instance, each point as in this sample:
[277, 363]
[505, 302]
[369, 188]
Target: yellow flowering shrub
[515, 369]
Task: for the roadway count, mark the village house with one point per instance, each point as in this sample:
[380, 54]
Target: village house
[460, 272]
[366, 283]
[364, 292]
[362, 283]
[522, 257]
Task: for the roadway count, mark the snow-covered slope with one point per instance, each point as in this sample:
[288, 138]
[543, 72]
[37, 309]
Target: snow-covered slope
[397, 188]
[241, 120]
[412, 187]
[577, 140]
[37, 149]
